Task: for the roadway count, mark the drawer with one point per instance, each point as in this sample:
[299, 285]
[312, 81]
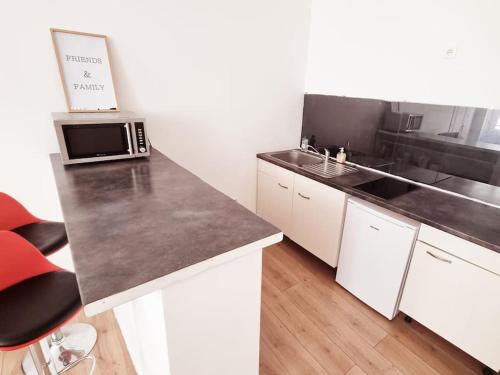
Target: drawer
[283, 175]
[468, 251]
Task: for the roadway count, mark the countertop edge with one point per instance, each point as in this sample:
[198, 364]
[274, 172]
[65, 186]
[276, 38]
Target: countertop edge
[115, 300]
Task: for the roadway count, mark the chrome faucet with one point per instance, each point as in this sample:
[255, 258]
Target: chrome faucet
[327, 151]
[327, 154]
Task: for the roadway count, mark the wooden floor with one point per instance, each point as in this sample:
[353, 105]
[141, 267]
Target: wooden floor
[310, 325]
[110, 352]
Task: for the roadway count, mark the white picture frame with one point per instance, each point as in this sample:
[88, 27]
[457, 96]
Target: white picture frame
[85, 70]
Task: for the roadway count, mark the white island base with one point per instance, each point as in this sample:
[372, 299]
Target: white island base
[204, 319]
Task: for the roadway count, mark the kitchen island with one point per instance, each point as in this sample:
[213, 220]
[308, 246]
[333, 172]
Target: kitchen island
[179, 262]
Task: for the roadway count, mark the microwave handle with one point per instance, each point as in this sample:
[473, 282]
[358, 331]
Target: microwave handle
[127, 128]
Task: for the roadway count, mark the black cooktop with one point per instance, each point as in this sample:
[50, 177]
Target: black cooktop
[387, 188]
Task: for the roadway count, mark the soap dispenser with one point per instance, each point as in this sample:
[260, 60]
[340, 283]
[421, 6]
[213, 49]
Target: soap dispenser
[341, 156]
[304, 143]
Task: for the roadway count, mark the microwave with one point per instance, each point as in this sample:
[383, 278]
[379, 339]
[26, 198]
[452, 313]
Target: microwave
[402, 122]
[94, 137]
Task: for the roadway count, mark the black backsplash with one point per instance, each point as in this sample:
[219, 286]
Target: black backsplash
[452, 147]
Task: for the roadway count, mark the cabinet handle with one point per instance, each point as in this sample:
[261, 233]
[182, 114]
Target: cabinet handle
[303, 196]
[283, 186]
[375, 228]
[438, 257]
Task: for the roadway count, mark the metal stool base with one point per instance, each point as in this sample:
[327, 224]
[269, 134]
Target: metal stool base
[78, 339]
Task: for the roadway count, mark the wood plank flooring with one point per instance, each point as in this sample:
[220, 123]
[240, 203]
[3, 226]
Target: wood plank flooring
[310, 325]
[110, 352]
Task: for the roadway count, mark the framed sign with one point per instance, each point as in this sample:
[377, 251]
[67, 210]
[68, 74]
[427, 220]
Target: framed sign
[85, 69]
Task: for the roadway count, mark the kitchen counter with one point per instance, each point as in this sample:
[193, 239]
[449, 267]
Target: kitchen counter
[472, 221]
[132, 221]
[475, 189]
[441, 139]
[173, 257]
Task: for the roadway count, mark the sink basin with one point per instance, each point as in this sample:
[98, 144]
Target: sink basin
[329, 170]
[314, 164]
[297, 158]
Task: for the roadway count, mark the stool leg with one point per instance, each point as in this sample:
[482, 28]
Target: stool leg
[57, 337]
[42, 366]
[83, 335]
[68, 346]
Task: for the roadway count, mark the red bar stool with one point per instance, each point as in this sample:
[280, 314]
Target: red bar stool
[47, 237]
[36, 299]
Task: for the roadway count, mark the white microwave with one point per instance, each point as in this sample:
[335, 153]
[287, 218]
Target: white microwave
[93, 137]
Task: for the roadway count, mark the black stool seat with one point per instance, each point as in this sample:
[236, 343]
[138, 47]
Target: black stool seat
[46, 236]
[35, 306]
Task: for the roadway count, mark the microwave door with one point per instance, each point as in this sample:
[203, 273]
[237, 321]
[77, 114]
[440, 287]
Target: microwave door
[97, 140]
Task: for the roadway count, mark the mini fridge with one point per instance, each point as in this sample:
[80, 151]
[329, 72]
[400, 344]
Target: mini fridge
[375, 252]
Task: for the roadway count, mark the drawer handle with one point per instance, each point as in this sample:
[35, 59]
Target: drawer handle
[283, 186]
[305, 197]
[371, 226]
[438, 257]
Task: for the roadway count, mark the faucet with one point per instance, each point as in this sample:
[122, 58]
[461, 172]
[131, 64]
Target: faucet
[327, 151]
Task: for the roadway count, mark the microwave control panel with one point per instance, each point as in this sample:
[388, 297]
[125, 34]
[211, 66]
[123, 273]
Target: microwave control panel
[141, 137]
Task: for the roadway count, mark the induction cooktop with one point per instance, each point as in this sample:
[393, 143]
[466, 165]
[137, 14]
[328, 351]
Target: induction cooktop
[386, 187]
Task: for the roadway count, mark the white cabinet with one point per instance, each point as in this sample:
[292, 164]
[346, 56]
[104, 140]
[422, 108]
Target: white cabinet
[317, 219]
[308, 212]
[456, 297]
[274, 195]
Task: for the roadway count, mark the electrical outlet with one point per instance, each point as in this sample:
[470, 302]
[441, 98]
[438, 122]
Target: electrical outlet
[451, 53]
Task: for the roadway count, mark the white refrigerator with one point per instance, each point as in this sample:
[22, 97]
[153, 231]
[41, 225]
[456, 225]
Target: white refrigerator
[376, 248]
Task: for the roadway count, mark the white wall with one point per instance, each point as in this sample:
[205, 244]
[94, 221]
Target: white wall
[218, 81]
[395, 50]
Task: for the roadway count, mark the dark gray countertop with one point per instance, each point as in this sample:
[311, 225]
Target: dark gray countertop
[475, 222]
[458, 142]
[475, 189]
[133, 221]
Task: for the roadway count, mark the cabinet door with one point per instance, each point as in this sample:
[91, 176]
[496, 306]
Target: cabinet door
[317, 219]
[457, 300]
[274, 199]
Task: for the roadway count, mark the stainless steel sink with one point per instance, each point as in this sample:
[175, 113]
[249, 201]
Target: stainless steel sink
[330, 169]
[297, 158]
[314, 164]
